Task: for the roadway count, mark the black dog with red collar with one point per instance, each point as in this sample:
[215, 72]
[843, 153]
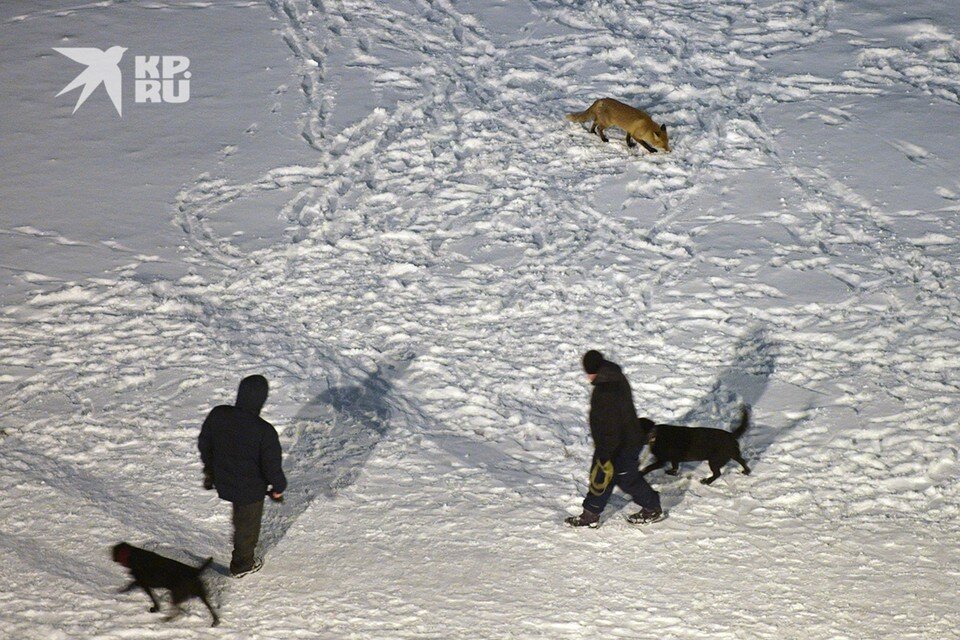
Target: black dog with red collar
[150, 571]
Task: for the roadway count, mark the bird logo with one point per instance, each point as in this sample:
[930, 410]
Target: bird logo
[102, 68]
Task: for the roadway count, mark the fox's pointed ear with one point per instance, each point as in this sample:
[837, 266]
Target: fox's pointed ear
[663, 128]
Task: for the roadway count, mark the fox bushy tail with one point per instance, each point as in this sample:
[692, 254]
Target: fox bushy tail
[744, 421]
[582, 116]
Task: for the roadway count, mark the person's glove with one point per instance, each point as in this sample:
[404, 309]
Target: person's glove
[207, 479]
[601, 476]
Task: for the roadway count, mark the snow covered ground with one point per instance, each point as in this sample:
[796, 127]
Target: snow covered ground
[378, 205]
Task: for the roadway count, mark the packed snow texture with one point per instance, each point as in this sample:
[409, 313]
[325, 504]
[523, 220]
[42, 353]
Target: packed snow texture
[380, 206]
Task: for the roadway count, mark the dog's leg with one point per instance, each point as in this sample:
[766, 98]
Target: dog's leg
[153, 599]
[716, 466]
[652, 467]
[174, 614]
[216, 618]
[630, 142]
[130, 587]
[674, 468]
[593, 127]
[746, 469]
[600, 133]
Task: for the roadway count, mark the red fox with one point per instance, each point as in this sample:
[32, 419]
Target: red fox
[607, 112]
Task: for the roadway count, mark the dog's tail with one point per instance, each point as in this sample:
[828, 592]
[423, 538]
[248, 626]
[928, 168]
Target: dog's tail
[744, 422]
[206, 563]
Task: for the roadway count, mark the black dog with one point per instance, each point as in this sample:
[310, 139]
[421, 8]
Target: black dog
[669, 443]
[153, 571]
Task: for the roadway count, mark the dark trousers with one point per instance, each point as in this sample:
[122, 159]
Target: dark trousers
[626, 475]
[246, 533]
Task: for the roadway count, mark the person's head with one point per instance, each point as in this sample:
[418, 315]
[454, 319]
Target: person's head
[592, 361]
[252, 394]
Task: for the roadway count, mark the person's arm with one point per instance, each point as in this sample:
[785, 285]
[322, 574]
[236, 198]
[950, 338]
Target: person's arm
[605, 427]
[271, 463]
[205, 445]
[606, 441]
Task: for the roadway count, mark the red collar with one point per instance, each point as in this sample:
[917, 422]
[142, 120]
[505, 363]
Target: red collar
[123, 556]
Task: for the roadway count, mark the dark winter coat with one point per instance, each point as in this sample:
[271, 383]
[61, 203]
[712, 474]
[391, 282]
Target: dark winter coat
[613, 418]
[240, 449]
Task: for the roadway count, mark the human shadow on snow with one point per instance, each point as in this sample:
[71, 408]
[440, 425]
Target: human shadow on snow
[108, 495]
[89, 572]
[335, 436]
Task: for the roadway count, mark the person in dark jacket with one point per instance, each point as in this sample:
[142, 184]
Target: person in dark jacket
[241, 458]
[617, 438]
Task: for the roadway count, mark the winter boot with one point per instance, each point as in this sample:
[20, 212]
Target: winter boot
[257, 565]
[646, 516]
[585, 519]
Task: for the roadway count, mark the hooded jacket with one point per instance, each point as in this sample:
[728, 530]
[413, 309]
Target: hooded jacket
[613, 418]
[240, 449]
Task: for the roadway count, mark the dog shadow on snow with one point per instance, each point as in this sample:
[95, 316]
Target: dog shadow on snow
[742, 382]
[335, 436]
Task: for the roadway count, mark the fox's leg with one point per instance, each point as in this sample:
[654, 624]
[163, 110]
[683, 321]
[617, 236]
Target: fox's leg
[600, 133]
[593, 127]
[630, 142]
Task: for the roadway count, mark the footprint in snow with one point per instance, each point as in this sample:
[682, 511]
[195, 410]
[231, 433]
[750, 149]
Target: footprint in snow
[913, 152]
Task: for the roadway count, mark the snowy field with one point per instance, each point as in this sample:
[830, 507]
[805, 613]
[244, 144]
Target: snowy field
[379, 205]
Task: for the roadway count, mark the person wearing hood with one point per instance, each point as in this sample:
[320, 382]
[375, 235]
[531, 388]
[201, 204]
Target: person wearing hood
[617, 438]
[241, 457]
